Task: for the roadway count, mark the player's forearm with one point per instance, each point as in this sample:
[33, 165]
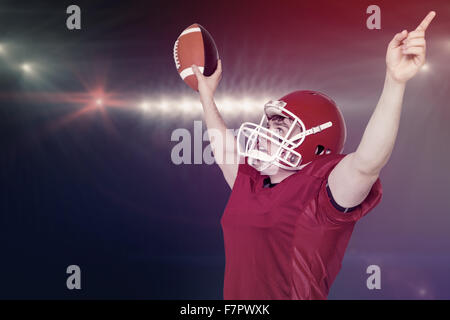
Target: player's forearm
[380, 134]
[222, 140]
[212, 116]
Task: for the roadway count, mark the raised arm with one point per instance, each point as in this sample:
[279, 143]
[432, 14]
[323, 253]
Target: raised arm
[223, 142]
[352, 178]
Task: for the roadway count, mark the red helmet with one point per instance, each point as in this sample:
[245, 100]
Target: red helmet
[321, 124]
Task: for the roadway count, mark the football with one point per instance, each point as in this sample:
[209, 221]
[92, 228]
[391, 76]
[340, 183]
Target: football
[195, 46]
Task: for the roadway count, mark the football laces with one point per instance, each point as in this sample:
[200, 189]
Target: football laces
[175, 55]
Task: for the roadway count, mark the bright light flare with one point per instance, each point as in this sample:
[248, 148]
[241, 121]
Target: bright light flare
[145, 105]
[2, 49]
[425, 67]
[26, 67]
[164, 107]
[173, 107]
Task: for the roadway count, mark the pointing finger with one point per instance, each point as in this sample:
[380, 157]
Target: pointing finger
[426, 22]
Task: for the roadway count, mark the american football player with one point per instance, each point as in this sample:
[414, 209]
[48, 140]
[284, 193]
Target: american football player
[295, 197]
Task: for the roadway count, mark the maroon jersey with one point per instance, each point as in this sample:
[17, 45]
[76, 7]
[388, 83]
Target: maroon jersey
[286, 242]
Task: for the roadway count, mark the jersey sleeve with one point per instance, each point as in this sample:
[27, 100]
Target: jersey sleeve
[336, 216]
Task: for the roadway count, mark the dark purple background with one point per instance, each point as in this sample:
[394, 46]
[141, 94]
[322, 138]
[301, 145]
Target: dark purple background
[99, 190]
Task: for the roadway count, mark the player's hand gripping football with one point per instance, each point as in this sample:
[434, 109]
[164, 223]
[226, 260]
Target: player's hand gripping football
[207, 85]
[406, 52]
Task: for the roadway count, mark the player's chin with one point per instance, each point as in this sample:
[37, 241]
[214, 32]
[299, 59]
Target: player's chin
[264, 169]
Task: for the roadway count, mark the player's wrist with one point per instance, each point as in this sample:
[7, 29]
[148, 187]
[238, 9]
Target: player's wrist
[207, 99]
[392, 79]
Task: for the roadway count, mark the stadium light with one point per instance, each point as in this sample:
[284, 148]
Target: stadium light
[144, 105]
[26, 68]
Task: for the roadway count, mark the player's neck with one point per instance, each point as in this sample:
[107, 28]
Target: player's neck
[283, 174]
[280, 176]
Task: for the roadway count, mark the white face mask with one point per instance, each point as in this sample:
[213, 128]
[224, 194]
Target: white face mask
[282, 152]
